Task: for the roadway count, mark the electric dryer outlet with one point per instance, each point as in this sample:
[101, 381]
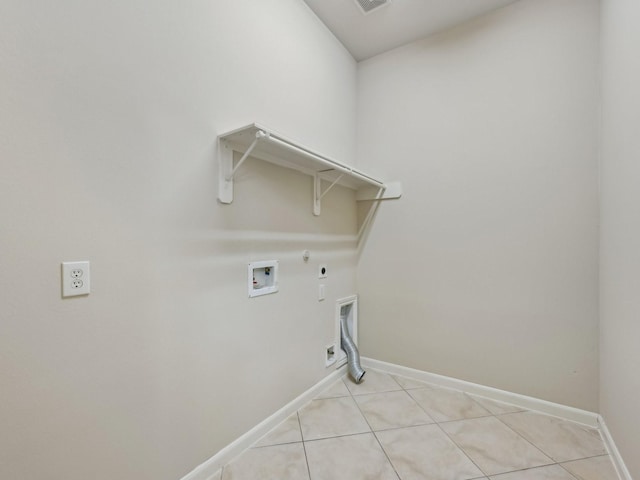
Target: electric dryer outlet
[323, 270]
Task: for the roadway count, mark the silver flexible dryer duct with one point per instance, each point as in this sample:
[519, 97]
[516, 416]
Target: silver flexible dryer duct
[353, 357]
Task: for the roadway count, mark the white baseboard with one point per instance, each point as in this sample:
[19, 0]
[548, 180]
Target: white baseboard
[209, 469]
[618, 462]
[529, 403]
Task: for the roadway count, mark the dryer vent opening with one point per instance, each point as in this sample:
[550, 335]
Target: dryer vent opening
[347, 336]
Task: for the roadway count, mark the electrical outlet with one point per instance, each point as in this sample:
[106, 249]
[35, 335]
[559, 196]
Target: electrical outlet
[330, 355]
[76, 279]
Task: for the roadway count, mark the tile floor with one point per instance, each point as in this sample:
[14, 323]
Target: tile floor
[395, 428]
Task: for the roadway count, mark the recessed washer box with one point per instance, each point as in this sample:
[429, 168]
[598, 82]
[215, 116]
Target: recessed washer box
[263, 278]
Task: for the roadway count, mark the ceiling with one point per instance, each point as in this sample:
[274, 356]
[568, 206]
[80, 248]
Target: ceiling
[400, 22]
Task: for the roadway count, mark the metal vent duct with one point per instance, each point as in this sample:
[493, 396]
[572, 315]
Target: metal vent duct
[369, 6]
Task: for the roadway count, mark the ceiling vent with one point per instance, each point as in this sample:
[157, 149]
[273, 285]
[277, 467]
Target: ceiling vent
[368, 6]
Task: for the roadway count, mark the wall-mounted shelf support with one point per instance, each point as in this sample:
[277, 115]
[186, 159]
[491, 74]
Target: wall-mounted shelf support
[317, 191]
[259, 135]
[392, 191]
[262, 143]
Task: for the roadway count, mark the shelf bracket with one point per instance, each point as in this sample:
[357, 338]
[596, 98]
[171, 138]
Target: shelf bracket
[318, 194]
[227, 170]
[371, 212]
[391, 191]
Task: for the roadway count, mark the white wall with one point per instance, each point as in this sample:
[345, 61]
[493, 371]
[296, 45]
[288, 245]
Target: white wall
[620, 232]
[109, 113]
[486, 269]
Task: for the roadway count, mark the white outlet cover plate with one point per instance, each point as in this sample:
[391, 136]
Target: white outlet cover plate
[76, 279]
[330, 359]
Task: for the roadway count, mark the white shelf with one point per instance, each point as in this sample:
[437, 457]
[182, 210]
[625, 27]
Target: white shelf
[263, 143]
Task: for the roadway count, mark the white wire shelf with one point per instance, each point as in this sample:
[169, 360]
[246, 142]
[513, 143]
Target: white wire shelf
[263, 143]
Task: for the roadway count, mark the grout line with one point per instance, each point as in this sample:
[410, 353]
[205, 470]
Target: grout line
[434, 423]
[527, 440]
[390, 429]
[306, 459]
[438, 425]
[462, 450]
[531, 468]
[562, 467]
[586, 458]
[449, 421]
[475, 398]
[465, 418]
[478, 403]
[377, 439]
[336, 436]
[374, 433]
[562, 464]
[458, 420]
[374, 393]
[386, 455]
[274, 445]
[393, 378]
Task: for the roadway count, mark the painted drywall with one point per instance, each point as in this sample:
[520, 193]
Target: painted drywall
[487, 269]
[620, 231]
[109, 113]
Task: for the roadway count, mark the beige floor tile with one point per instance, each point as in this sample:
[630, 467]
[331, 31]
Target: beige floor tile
[279, 462]
[338, 389]
[374, 382]
[287, 432]
[355, 457]
[493, 446]
[391, 410]
[495, 407]
[475, 439]
[551, 472]
[425, 452]
[560, 439]
[595, 468]
[331, 417]
[445, 405]
[408, 383]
